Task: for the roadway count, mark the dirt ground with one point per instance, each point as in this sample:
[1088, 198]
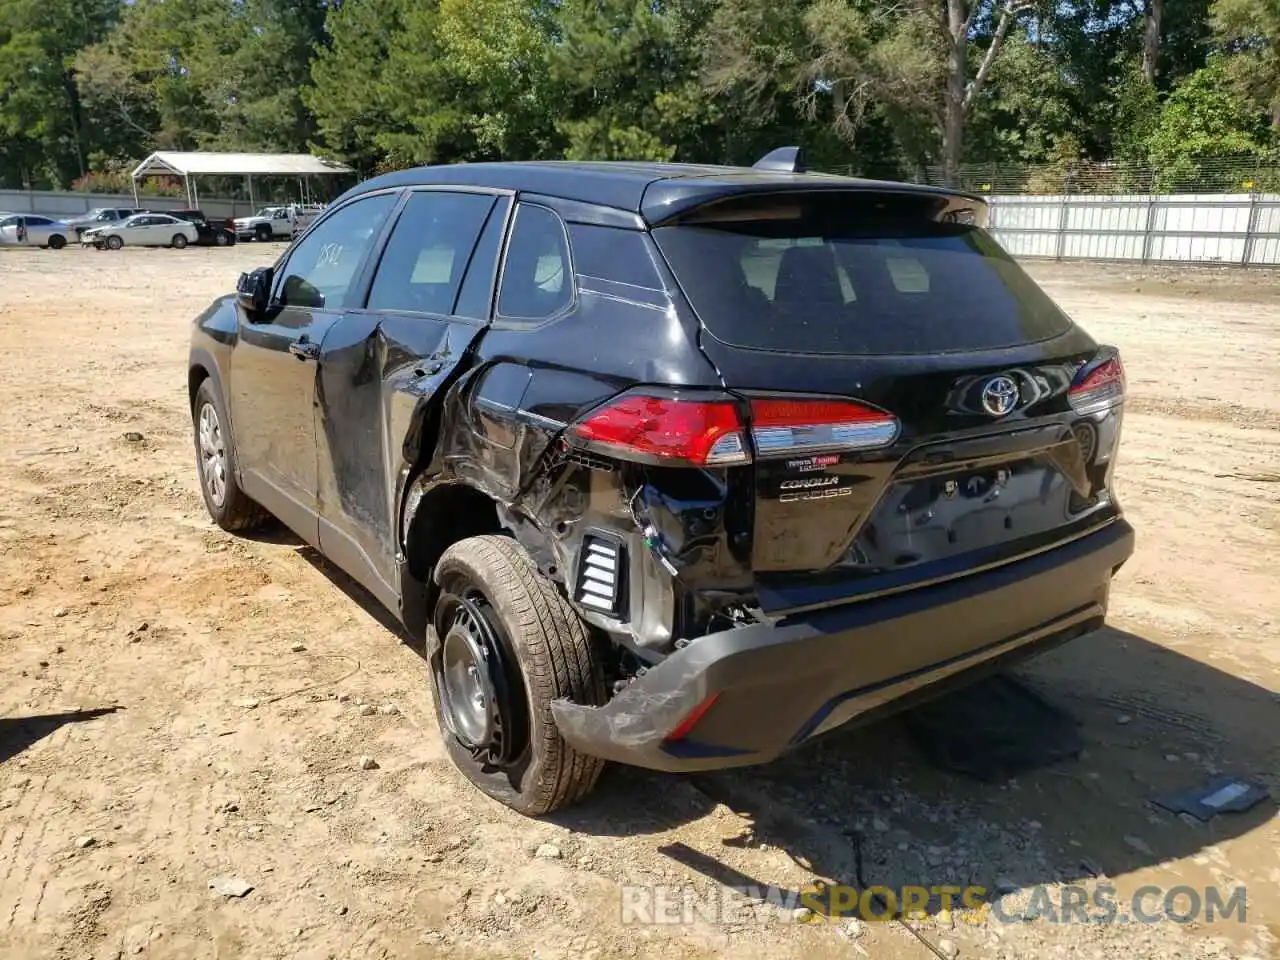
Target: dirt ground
[181, 705]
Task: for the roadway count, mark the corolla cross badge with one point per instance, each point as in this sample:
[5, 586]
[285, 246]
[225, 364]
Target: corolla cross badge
[999, 396]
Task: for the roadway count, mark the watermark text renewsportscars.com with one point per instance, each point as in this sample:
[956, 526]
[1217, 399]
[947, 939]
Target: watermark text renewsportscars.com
[675, 904]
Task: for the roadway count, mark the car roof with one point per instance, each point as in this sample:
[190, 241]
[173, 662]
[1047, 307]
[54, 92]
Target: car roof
[656, 191]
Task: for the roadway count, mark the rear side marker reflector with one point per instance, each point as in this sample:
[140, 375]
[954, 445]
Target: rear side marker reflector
[711, 432]
[1099, 391]
[691, 719]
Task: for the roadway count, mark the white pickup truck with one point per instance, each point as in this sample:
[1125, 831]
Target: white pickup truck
[277, 223]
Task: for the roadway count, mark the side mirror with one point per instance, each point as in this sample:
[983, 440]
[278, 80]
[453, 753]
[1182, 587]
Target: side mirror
[253, 290]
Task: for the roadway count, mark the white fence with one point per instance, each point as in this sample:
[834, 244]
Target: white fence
[51, 203]
[1240, 229]
[1184, 228]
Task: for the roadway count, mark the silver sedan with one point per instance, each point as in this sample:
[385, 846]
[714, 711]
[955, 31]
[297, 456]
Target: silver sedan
[18, 229]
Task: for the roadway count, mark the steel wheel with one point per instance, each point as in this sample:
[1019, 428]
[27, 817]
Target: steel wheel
[506, 645]
[213, 455]
[473, 679]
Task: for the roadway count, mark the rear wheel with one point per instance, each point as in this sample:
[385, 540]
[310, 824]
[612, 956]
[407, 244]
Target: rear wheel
[262, 232]
[227, 504]
[179, 241]
[114, 242]
[220, 239]
[57, 242]
[506, 645]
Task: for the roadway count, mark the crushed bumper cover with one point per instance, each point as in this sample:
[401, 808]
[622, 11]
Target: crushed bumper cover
[779, 684]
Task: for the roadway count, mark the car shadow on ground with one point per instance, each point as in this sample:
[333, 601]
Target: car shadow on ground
[883, 805]
[278, 534]
[19, 733]
[879, 805]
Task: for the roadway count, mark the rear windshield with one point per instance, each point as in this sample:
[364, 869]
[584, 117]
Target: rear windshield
[855, 275]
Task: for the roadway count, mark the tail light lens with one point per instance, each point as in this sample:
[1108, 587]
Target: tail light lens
[710, 432]
[1100, 389]
[788, 427]
[667, 429]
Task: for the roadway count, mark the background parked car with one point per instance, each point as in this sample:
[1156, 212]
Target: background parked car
[101, 216]
[39, 231]
[143, 230]
[212, 233]
[277, 223]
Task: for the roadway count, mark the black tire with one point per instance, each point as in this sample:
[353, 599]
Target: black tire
[234, 512]
[220, 239]
[548, 653]
[114, 242]
[57, 242]
[262, 233]
[179, 241]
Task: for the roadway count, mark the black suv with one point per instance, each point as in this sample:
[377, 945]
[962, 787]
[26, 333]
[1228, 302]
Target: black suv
[210, 233]
[678, 466]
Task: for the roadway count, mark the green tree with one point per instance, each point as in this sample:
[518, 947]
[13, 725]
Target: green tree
[217, 74]
[624, 74]
[1250, 29]
[406, 82]
[1206, 120]
[46, 136]
[921, 66]
[349, 95]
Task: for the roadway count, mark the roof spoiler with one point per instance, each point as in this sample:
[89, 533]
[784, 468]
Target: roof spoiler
[782, 160]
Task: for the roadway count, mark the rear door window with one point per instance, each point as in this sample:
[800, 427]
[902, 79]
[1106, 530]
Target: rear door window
[854, 275]
[422, 267]
[475, 299]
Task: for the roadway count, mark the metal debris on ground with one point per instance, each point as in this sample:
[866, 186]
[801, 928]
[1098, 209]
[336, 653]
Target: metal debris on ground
[230, 886]
[1220, 795]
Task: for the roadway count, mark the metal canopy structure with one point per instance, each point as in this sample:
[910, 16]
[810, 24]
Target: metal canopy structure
[165, 163]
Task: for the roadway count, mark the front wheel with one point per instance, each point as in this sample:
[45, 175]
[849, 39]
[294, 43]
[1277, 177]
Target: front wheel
[179, 241]
[114, 243]
[228, 505]
[507, 644]
[262, 233]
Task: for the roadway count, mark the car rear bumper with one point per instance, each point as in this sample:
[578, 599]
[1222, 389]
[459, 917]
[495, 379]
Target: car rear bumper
[776, 685]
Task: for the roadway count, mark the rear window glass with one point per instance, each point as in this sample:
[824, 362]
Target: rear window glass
[857, 275]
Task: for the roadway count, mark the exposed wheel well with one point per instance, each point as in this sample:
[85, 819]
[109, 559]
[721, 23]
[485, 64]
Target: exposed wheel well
[446, 515]
[195, 376]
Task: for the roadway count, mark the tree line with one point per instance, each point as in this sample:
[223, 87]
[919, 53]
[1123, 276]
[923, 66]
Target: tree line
[878, 87]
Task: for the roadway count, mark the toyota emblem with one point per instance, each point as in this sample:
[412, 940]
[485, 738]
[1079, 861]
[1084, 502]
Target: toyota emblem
[999, 396]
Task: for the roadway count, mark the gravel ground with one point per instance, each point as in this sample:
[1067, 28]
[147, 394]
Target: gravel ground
[186, 716]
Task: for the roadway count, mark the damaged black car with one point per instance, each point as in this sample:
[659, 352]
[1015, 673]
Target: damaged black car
[669, 465]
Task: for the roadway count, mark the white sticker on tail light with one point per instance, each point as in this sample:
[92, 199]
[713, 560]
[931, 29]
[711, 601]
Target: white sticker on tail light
[787, 428]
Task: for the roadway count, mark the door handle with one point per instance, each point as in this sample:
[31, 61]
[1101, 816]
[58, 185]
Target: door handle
[304, 349]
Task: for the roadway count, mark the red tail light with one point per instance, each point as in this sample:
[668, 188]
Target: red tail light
[789, 427]
[1102, 389]
[701, 432]
[710, 432]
